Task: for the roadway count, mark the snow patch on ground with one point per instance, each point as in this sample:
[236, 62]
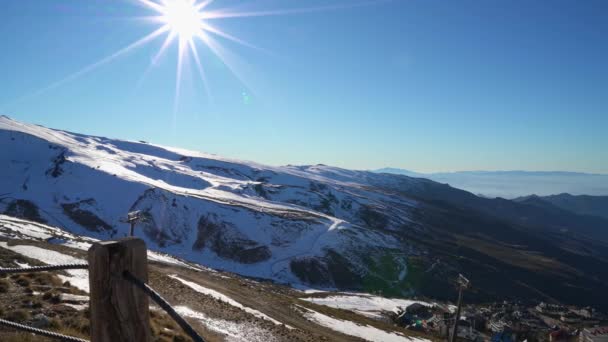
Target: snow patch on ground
[79, 307]
[219, 296]
[22, 265]
[233, 331]
[365, 332]
[167, 259]
[78, 278]
[366, 305]
[15, 228]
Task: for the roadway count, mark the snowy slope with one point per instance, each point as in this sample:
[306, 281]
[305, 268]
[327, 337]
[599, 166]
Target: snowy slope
[315, 225]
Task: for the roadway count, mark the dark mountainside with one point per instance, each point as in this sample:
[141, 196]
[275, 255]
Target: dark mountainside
[514, 249]
[581, 204]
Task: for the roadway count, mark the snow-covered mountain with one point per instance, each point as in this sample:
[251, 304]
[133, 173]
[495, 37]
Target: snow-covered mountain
[305, 224]
[314, 225]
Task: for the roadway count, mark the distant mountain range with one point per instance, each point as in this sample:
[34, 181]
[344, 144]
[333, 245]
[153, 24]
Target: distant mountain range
[582, 204]
[311, 225]
[513, 184]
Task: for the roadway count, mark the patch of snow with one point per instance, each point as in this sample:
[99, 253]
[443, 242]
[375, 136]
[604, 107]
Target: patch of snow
[233, 331]
[79, 307]
[15, 228]
[77, 278]
[167, 259]
[365, 332]
[22, 265]
[306, 289]
[366, 305]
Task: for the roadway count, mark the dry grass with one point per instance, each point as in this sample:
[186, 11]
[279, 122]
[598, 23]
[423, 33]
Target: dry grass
[517, 257]
[23, 296]
[19, 316]
[164, 329]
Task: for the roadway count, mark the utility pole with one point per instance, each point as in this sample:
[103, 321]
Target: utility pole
[463, 283]
[132, 218]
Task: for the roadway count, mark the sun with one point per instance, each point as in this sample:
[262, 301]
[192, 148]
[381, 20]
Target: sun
[192, 23]
[183, 17]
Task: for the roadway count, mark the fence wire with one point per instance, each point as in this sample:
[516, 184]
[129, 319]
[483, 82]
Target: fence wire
[41, 332]
[44, 268]
[126, 274]
[164, 305]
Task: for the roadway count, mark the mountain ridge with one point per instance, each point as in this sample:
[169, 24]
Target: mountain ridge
[517, 183]
[579, 204]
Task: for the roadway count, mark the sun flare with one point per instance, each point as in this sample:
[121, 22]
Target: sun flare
[184, 18]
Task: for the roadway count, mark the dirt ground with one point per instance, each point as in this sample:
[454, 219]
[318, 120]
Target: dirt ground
[276, 301]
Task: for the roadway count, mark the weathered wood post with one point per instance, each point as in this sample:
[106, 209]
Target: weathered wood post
[119, 310]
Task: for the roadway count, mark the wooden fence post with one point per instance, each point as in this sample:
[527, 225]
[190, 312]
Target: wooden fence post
[119, 310]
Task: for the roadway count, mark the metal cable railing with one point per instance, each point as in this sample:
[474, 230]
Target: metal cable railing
[41, 332]
[126, 274]
[44, 268]
[164, 305]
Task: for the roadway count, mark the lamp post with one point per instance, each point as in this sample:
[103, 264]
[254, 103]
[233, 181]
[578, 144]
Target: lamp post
[463, 283]
[132, 218]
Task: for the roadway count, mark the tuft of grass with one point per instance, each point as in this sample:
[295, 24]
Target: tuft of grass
[4, 285]
[77, 324]
[45, 278]
[22, 281]
[164, 329]
[18, 316]
[52, 296]
[55, 324]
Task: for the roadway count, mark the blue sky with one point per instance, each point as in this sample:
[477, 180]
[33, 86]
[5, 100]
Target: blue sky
[423, 85]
